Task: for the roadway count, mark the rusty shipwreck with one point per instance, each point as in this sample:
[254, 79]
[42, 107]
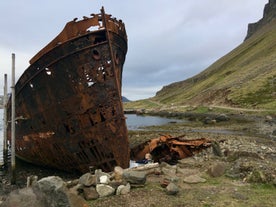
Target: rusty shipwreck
[68, 102]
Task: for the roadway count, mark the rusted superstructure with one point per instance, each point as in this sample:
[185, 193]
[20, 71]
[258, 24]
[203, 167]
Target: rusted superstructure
[68, 101]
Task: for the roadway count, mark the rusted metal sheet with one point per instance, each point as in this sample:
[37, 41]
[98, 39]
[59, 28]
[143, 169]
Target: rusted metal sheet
[169, 149]
[69, 99]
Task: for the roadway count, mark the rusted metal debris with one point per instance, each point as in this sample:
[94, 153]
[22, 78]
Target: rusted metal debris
[169, 149]
[69, 99]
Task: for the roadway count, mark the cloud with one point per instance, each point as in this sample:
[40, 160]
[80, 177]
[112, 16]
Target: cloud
[168, 41]
[137, 93]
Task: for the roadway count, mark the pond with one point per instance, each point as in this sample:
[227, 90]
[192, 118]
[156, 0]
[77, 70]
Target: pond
[136, 122]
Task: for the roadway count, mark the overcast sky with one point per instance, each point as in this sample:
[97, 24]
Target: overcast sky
[168, 40]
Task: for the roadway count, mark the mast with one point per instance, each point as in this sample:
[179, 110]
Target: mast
[118, 85]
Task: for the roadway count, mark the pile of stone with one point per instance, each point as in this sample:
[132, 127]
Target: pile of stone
[53, 191]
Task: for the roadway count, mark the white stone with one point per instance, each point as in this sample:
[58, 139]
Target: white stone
[104, 190]
[104, 179]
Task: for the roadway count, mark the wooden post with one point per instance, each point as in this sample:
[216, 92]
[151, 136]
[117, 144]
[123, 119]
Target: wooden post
[13, 176]
[5, 143]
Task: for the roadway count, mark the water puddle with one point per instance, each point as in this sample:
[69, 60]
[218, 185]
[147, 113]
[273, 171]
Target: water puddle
[136, 122]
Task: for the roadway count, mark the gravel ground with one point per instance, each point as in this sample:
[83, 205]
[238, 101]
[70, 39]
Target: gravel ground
[248, 145]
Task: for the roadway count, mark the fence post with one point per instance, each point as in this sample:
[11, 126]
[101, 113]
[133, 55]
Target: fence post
[5, 143]
[13, 176]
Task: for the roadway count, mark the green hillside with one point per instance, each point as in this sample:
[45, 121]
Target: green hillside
[245, 78]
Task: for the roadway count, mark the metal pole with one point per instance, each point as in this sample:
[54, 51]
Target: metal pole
[13, 176]
[5, 143]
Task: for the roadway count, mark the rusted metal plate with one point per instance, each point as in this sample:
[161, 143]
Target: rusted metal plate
[70, 99]
[169, 149]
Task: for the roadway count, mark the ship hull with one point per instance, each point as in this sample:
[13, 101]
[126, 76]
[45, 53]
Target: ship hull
[68, 104]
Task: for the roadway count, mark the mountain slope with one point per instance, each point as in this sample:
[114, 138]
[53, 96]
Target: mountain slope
[245, 77]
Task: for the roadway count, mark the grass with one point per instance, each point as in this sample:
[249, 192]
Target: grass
[245, 77]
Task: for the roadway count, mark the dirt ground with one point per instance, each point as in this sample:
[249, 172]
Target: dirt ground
[248, 153]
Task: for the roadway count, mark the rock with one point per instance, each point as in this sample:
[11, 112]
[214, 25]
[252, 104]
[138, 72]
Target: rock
[115, 184]
[222, 117]
[72, 183]
[123, 189]
[24, 198]
[149, 168]
[208, 120]
[88, 180]
[49, 191]
[118, 173]
[268, 16]
[192, 179]
[274, 132]
[172, 189]
[104, 179]
[56, 193]
[216, 170]
[216, 149]
[165, 182]
[167, 169]
[99, 173]
[268, 118]
[51, 184]
[239, 196]
[90, 193]
[135, 177]
[104, 190]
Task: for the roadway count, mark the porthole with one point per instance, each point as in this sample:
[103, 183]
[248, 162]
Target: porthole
[96, 54]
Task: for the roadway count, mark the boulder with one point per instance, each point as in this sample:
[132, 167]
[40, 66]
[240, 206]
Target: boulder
[193, 179]
[222, 117]
[167, 169]
[172, 189]
[209, 120]
[24, 198]
[104, 190]
[99, 173]
[118, 173]
[88, 180]
[123, 189]
[104, 179]
[135, 177]
[72, 183]
[217, 170]
[57, 194]
[216, 149]
[49, 191]
[90, 193]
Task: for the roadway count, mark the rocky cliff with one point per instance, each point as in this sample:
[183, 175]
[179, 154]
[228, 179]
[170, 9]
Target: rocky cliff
[269, 15]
